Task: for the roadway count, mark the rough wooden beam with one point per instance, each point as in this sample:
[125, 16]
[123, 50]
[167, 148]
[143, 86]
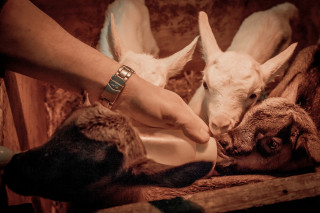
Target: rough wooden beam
[235, 198]
[26, 96]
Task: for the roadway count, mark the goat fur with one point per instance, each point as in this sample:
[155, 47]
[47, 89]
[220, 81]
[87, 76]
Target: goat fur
[95, 159]
[280, 134]
[304, 75]
[127, 37]
[233, 80]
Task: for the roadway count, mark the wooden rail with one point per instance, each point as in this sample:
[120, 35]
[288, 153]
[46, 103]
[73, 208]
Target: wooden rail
[269, 192]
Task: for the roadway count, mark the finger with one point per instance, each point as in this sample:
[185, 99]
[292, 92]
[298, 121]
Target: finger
[155, 123]
[193, 126]
[196, 133]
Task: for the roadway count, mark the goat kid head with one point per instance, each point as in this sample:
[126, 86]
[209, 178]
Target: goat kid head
[274, 136]
[232, 82]
[156, 71]
[95, 159]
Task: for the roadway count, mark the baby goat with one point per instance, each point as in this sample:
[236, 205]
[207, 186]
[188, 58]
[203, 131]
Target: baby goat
[126, 36]
[234, 79]
[304, 72]
[279, 135]
[94, 159]
[274, 136]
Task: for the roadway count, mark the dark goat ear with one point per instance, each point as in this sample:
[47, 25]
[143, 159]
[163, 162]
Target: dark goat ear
[149, 172]
[313, 146]
[306, 136]
[291, 91]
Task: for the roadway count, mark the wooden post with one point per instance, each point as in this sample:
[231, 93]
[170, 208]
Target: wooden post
[26, 97]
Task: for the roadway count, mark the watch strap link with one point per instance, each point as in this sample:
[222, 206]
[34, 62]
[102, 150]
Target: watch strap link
[115, 85]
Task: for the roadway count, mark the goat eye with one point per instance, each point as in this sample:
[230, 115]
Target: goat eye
[205, 85]
[252, 96]
[274, 143]
[269, 146]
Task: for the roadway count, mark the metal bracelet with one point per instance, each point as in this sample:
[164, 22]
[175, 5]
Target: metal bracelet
[115, 86]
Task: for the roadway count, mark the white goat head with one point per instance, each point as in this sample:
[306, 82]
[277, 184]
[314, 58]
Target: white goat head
[232, 81]
[156, 71]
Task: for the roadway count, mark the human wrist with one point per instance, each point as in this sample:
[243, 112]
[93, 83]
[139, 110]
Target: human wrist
[115, 86]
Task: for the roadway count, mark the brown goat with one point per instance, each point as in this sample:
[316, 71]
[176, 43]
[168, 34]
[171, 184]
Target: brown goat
[278, 135]
[304, 74]
[93, 160]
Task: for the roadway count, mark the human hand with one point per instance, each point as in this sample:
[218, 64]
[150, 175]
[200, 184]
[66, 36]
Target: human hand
[157, 107]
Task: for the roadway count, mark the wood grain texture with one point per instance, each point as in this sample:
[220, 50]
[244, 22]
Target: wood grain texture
[235, 198]
[26, 98]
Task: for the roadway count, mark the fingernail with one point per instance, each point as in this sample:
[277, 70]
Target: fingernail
[204, 134]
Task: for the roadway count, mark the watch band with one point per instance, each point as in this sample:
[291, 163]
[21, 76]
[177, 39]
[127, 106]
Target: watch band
[115, 86]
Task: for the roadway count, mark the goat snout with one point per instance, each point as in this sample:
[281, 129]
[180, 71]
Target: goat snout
[220, 124]
[225, 142]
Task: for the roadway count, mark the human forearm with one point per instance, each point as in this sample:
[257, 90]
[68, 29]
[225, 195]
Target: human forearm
[58, 58]
[35, 45]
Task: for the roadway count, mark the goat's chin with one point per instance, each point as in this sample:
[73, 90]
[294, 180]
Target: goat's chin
[225, 168]
[225, 164]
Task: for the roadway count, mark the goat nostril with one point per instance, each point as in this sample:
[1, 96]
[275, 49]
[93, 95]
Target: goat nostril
[223, 143]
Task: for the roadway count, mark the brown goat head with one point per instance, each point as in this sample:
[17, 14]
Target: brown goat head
[94, 159]
[274, 136]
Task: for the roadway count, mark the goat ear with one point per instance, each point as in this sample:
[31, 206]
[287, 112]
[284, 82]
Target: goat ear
[313, 146]
[176, 62]
[311, 143]
[209, 44]
[149, 172]
[305, 133]
[291, 91]
[116, 44]
[270, 68]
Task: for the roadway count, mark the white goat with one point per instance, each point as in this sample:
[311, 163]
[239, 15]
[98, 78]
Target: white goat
[134, 44]
[234, 79]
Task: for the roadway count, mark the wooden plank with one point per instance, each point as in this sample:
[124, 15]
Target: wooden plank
[16, 106]
[234, 198]
[26, 98]
[10, 140]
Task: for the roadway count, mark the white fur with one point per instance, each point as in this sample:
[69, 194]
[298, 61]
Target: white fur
[244, 69]
[127, 37]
